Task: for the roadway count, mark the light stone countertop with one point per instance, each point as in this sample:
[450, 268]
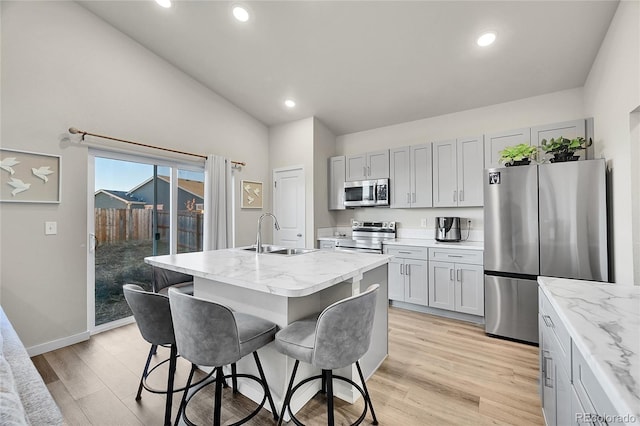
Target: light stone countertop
[289, 276]
[604, 323]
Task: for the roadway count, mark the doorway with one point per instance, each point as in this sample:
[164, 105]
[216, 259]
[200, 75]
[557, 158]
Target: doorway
[289, 206]
[138, 207]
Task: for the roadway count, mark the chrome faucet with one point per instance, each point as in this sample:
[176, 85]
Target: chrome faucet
[259, 248]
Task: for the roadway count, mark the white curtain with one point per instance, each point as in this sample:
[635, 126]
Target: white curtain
[217, 198]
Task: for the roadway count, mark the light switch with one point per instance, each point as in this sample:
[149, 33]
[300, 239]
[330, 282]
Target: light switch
[50, 228]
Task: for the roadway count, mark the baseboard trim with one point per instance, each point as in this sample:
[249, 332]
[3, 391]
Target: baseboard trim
[57, 344]
[439, 312]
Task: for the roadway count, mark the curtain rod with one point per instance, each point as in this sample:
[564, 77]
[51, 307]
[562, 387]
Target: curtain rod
[74, 131]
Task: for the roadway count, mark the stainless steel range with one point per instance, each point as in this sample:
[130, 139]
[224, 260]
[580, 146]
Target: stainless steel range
[367, 236]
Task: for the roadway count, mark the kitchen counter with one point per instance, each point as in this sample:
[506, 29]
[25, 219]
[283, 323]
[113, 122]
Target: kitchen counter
[284, 289]
[289, 276]
[604, 322]
[467, 245]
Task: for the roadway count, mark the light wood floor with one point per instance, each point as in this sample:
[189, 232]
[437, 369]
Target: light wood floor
[439, 372]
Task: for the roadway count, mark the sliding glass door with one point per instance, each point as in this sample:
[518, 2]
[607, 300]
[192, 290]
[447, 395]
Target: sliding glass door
[139, 208]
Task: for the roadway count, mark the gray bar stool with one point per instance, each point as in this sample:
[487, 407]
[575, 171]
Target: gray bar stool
[211, 335]
[153, 317]
[163, 279]
[336, 338]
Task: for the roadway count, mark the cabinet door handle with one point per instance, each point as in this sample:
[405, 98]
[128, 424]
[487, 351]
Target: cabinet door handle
[548, 381]
[413, 197]
[408, 199]
[364, 170]
[401, 269]
[455, 196]
[450, 274]
[461, 195]
[368, 170]
[405, 252]
[548, 321]
[458, 274]
[454, 255]
[408, 269]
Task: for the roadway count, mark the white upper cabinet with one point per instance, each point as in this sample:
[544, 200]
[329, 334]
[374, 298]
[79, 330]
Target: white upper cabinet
[370, 165]
[470, 169]
[337, 169]
[457, 172]
[410, 176]
[566, 129]
[496, 142]
[445, 185]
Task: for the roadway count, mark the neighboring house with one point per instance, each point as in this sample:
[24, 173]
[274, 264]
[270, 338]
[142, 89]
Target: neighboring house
[188, 190]
[109, 199]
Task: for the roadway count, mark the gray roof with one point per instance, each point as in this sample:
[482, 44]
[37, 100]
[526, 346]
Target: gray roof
[123, 195]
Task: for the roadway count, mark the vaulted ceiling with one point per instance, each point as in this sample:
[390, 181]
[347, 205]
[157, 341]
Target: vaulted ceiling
[358, 65]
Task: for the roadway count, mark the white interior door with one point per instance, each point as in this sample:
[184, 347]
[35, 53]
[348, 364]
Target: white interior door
[289, 206]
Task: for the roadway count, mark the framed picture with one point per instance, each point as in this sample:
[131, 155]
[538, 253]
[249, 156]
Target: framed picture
[251, 194]
[29, 177]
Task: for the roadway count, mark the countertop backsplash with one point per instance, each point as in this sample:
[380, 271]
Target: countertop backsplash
[408, 233]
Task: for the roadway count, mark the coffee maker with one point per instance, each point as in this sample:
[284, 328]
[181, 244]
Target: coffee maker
[448, 229]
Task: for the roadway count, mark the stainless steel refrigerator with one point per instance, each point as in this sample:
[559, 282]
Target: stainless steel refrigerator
[549, 220]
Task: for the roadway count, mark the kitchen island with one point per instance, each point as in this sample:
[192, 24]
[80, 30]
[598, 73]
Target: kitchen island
[284, 289]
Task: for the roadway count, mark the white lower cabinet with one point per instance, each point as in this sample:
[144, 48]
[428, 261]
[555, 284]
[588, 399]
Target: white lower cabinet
[408, 274]
[456, 284]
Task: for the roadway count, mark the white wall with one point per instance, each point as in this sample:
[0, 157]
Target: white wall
[612, 92]
[324, 146]
[554, 107]
[291, 144]
[62, 67]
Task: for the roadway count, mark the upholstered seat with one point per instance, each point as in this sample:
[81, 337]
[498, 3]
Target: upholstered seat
[212, 335]
[333, 339]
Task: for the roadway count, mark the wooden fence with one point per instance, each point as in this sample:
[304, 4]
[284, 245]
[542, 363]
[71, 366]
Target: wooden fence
[114, 225]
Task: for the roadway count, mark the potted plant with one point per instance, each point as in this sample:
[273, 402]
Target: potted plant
[518, 155]
[564, 149]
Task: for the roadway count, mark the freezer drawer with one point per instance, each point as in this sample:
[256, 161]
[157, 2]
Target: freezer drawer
[511, 307]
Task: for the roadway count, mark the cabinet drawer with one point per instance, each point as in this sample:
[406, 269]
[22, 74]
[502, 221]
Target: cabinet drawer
[551, 321]
[407, 252]
[590, 392]
[455, 255]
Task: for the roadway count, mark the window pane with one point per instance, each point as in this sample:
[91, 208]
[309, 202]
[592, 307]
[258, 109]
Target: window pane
[190, 210]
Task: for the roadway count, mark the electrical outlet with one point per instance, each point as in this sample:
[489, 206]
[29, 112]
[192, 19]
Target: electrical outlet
[423, 223]
[50, 228]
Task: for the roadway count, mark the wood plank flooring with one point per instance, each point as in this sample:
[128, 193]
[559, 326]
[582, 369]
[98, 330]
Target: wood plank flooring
[439, 372]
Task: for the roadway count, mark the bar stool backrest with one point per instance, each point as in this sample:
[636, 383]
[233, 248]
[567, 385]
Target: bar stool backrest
[206, 332]
[343, 330]
[152, 314]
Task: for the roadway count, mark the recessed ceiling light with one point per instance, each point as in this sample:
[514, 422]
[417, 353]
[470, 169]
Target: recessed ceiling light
[164, 3]
[289, 103]
[240, 13]
[486, 39]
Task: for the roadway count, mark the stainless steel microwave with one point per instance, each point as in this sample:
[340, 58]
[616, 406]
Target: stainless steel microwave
[366, 193]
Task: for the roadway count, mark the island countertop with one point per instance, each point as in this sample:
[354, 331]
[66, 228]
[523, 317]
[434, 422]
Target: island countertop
[289, 276]
[604, 322]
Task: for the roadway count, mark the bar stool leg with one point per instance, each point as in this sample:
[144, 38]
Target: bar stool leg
[287, 395]
[172, 371]
[145, 371]
[366, 393]
[184, 395]
[234, 379]
[329, 380]
[267, 391]
[217, 409]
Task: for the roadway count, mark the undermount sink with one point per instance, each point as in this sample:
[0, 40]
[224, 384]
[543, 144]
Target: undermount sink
[287, 251]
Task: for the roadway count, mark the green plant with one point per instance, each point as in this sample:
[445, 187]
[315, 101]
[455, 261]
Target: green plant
[562, 145]
[518, 153]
